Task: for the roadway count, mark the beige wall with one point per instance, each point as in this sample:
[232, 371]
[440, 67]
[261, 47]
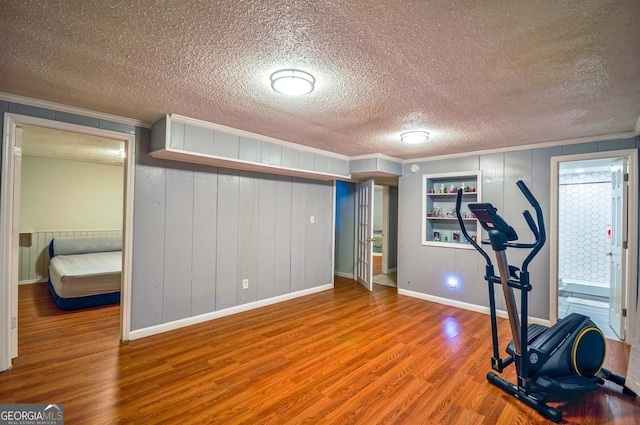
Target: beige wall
[70, 195]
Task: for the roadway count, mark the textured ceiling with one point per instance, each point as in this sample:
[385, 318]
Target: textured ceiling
[476, 74]
[48, 143]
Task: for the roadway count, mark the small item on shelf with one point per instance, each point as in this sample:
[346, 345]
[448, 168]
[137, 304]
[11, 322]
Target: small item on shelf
[446, 239]
[464, 215]
[473, 189]
[456, 236]
[432, 191]
[442, 189]
[436, 235]
[474, 238]
[452, 189]
[428, 214]
[463, 187]
[451, 213]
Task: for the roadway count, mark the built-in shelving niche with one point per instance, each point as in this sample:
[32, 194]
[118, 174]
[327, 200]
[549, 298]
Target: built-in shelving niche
[439, 222]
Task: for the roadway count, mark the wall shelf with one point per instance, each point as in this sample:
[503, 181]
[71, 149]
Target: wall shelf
[439, 225]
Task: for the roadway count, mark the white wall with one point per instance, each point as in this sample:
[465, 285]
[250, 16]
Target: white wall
[70, 195]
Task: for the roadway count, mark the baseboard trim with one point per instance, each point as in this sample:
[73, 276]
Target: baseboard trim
[177, 324]
[465, 306]
[345, 275]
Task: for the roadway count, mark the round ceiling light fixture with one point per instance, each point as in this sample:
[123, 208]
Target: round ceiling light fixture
[415, 137]
[292, 82]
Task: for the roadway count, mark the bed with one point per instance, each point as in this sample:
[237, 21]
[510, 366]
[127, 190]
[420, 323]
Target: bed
[377, 241]
[85, 271]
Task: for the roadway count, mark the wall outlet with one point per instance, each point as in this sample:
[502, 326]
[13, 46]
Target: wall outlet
[312, 219]
[245, 283]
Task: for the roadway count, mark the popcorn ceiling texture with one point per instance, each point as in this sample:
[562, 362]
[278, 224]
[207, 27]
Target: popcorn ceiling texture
[477, 74]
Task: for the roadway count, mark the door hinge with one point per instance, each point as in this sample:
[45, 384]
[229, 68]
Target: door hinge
[625, 245]
[624, 312]
[626, 177]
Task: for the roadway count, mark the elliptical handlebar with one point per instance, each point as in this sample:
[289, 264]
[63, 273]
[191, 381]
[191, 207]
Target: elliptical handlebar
[536, 226]
[463, 228]
[538, 230]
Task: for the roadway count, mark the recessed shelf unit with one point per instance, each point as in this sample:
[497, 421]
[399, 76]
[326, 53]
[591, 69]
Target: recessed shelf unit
[439, 222]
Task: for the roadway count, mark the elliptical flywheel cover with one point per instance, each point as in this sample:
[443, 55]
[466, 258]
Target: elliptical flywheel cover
[588, 352]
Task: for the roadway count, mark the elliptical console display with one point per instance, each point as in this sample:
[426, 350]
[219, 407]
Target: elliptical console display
[564, 359]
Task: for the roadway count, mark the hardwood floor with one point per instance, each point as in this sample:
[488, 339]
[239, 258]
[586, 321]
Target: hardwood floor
[344, 356]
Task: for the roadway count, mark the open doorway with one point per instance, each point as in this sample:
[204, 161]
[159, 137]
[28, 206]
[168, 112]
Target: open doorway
[13, 236]
[594, 271]
[385, 235]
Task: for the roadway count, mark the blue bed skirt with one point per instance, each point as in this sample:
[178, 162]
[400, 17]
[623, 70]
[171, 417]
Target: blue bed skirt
[84, 302]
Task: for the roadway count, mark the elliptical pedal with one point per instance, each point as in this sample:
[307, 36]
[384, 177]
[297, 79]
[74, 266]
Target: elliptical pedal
[569, 384]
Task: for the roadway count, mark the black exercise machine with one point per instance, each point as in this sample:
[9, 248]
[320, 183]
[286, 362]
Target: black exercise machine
[563, 360]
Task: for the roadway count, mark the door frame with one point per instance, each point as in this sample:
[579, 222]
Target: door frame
[632, 230]
[9, 258]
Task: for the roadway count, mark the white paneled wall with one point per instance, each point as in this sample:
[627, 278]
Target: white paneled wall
[584, 215]
[34, 251]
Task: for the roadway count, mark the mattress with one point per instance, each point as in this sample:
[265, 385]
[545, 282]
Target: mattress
[82, 275]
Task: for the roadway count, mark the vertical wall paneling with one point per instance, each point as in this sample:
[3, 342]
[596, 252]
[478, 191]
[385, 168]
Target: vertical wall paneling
[148, 240]
[290, 157]
[271, 154]
[324, 219]
[421, 269]
[306, 160]
[468, 281]
[322, 164]
[227, 240]
[315, 248]
[283, 235]
[225, 144]
[198, 139]
[178, 131]
[250, 150]
[579, 148]
[178, 242]
[158, 134]
[299, 222]
[203, 281]
[540, 186]
[248, 236]
[267, 250]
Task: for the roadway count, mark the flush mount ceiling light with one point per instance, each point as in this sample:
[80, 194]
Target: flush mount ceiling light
[292, 82]
[414, 137]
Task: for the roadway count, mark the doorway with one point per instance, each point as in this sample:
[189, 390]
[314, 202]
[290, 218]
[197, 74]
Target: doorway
[585, 276]
[385, 235]
[10, 230]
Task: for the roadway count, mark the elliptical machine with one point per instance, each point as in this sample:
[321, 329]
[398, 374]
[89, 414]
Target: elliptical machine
[563, 360]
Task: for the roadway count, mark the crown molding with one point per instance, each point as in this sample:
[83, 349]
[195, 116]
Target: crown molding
[72, 110]
[589, 139]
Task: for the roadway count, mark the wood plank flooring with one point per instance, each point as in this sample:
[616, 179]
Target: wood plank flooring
[344, 356]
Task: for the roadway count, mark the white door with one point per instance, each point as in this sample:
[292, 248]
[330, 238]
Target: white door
[618, 251]
[364, 235]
